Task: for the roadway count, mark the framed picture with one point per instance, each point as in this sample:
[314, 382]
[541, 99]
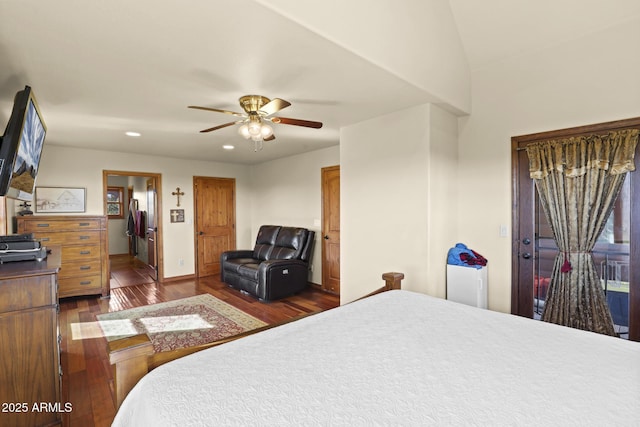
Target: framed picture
[60, 199]
[177, 215]
[115, 202]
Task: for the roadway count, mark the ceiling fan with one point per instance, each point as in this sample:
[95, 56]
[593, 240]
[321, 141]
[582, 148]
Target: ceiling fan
[258, 110]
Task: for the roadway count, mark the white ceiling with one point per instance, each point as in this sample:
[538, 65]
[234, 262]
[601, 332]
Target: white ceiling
[99, 69]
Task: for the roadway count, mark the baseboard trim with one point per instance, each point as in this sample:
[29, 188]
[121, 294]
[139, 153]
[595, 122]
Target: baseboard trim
[177, 278]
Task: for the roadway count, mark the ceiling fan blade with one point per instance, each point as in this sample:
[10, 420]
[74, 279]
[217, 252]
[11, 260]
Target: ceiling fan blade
[271, 138]
[220, 127]
[274, 106]
[217, 110]
[297, 122]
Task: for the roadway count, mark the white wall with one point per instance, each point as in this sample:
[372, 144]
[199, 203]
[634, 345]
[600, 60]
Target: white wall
[583, 81]
[395, 170]
[285, 191]
[442, 194]
[63, 166]
[288, 192]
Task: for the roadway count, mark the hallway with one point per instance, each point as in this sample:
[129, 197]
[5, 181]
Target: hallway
[128, 271]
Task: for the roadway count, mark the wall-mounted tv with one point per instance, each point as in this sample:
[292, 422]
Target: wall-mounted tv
[21, 147]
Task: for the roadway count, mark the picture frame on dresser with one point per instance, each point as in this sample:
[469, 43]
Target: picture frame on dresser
[60, 200]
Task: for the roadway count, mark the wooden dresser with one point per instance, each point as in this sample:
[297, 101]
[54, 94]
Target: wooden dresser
[29, 354]
[85, 257]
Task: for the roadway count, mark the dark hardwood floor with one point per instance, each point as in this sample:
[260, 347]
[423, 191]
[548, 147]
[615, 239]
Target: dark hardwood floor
[87, 378]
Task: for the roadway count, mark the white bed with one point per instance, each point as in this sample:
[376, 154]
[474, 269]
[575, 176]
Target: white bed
[398, 358]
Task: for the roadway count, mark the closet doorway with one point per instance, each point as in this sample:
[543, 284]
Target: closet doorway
[615, 254]
[135, 232]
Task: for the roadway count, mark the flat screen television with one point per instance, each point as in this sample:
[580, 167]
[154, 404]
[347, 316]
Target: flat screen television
[21, 147]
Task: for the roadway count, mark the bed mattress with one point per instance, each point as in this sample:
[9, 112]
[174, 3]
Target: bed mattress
[398, 358]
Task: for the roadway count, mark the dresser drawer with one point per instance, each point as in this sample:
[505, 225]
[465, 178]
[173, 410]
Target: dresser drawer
[79, 268]
[69, 238]
[77, 253]
[44, 225]
[28, 292]
[85, 285]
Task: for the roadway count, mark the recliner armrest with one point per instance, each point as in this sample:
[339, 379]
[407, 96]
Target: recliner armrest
[244, 253]
[281, 277]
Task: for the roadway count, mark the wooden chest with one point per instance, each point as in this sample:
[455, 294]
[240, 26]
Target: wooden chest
[83, 242]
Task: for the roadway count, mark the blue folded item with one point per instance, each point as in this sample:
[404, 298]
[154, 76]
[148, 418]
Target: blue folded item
[461, 255]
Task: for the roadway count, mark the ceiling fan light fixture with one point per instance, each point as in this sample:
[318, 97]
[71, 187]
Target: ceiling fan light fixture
[266, 131]
[244, 131]
[254, 128]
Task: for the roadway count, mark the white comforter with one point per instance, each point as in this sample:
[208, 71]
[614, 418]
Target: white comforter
[399, 358]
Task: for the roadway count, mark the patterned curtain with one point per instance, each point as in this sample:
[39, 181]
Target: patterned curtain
[578, 180]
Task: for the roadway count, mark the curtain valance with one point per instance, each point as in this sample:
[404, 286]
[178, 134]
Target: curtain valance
[573, 156]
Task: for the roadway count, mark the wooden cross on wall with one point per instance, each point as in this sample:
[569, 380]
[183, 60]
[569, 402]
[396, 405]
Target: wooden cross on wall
[178, 193]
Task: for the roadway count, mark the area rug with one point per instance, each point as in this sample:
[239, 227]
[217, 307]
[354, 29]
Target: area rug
[180, 323]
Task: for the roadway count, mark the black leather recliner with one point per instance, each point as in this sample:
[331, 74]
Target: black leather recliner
[277, 267]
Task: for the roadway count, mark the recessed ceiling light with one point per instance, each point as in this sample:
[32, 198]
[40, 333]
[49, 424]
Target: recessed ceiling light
[132, 133]
[228, 147]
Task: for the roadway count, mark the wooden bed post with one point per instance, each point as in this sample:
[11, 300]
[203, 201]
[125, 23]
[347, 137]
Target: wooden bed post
[392, 280]
[129, 358]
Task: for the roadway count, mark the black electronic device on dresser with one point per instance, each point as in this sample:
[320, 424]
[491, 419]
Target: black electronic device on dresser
[21, 247]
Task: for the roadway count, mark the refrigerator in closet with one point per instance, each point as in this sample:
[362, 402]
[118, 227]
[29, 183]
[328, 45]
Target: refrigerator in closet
[467, 285]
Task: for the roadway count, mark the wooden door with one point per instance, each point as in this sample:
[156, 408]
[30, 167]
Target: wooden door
[215, 222]
[152, 229]
[331, 229]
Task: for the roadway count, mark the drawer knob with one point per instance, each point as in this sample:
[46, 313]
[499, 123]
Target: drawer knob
[85, 237]
[84, 224]
[85, 252]
[85, 282]
[85, 267]
[43, 225]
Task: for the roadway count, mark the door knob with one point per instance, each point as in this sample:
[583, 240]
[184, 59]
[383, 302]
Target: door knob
[201, 233]
[326, 237]
[526, 255]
